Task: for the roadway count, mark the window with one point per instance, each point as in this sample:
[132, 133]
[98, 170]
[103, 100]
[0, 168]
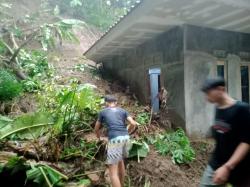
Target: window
[220, 71]
[245, 83]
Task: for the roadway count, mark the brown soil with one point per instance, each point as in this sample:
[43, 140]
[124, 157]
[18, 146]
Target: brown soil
[159, 171]
[24, 104]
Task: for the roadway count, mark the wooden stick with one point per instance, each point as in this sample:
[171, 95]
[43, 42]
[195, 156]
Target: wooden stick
[151, 115]
[87, 173]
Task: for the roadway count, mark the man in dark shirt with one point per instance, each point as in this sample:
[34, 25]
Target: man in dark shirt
[230, 161]
[118, 137]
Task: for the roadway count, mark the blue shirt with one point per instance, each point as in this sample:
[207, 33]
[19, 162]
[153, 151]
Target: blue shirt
[114, 118]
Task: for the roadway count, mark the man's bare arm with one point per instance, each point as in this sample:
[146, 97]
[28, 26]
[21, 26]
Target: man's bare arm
[239, 154]
[221, 174]
[132, 121]
[97, 129]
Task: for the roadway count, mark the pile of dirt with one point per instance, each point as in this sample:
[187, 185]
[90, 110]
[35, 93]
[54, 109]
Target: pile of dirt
[161, 172]
[194, 170]
[158, 171]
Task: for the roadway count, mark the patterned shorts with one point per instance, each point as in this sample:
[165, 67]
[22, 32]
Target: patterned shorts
[117, 149]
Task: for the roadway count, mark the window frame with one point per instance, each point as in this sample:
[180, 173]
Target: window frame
[246, 63]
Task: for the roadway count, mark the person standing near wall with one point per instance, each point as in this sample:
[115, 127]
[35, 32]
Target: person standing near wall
[230, 161]
[118, 138]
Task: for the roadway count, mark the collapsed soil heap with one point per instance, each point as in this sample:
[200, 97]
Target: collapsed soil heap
[159, 171]
[156, 170]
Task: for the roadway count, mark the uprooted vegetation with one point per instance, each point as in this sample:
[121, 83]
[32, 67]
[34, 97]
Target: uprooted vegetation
[58, 135]
[49, 102]
[56, 143]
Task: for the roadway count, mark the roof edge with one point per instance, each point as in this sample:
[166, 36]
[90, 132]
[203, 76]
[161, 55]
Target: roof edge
[133, 7]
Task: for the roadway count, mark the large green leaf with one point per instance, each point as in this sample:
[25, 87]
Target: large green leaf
[28, 126]
[4, 121]
[44, 174]
[138, 149]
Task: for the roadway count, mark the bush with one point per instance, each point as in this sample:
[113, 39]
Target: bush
[143, 118]
[175, 144]
[35, 63]
[9, 86]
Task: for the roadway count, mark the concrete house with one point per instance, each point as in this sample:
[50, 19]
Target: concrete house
[178, 44]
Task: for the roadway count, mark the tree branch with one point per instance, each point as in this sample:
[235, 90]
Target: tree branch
[15, 46]
[22, 46]
[8, 47]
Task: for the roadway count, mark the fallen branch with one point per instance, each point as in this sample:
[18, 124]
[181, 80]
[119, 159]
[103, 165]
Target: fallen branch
[7, 46]
[22, 46]
[86, 173]
[151, 115]
[12, 38]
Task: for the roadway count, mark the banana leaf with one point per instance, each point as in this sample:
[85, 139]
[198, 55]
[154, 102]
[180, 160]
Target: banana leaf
[28, 126]
[45, 175]
[139, 150]
[4, 121]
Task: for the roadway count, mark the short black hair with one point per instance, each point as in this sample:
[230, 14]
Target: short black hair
[110, 98]
[213, 83]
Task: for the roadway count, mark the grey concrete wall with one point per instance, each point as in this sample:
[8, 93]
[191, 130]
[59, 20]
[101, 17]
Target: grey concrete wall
[211, 40]
[200, 61]
[186, 57]
[165, 52]
[234, 75]
[198, 66]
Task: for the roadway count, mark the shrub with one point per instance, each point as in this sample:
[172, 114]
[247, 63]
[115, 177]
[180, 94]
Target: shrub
[35, 63]
[9, 86]
[143, 118]
[175, 144]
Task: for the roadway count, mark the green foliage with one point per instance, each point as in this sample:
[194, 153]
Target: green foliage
[3, 49]
[14, 165]
[80, 67]
[40, 174]
[177, 145]
[83, 149]
[28, 126]
[139, 149]
[73, 106]
[63, 30]
[31, 85]
[4, 121]
[9, 86]
[44, 175]
[84, 182]
[101, 13]
[143, 118]
[34, 62]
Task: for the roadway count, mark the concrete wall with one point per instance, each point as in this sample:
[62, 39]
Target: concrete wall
[234, 76]
[203, 48]
[187, 56]
[199, 114]
[212, 41]
[165, 52]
